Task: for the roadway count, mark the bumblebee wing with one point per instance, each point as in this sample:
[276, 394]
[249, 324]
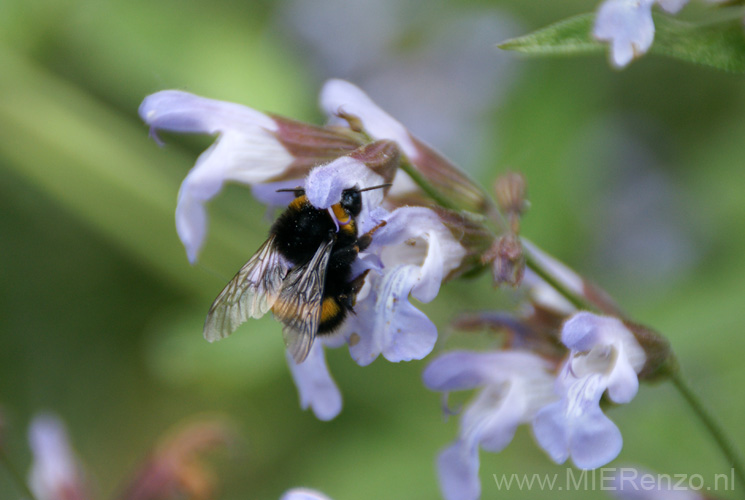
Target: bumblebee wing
[250, 294]
[298, 306]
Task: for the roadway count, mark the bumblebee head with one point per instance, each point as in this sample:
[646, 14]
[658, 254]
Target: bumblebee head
[351, 198]
[351, 201]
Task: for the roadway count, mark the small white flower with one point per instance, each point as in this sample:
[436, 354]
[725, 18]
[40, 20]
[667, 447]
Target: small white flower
[604, 356]
[514, 385]
[55, 473]
[628, 26]
[303, 494]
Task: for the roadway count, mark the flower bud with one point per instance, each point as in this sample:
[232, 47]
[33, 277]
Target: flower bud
[472, 235]
[510, 191]
[660, 360]
[382, 157]
[507, 260]
[310, 145]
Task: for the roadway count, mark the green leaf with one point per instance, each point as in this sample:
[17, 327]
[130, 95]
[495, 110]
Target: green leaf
[568, 37]
[719, 45]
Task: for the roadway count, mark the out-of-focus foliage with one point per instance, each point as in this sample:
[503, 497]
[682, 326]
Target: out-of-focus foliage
[719, 45]
[634, 179]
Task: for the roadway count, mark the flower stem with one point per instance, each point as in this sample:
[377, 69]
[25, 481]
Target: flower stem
[16, 476]
[546, 276]
[429, 189]
[715, 429]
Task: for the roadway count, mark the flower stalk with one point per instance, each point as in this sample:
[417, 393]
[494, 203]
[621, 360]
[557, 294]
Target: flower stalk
[723, 441]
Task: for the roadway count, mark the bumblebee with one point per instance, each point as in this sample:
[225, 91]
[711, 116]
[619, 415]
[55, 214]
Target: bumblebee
[302, 273]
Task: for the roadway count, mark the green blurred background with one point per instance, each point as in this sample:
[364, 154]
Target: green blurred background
[635, 179]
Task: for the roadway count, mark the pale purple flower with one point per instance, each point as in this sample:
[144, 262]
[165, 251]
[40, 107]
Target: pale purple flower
[604, 357]
[316, 388]
[628, 26]
[303, 494]
[55, 472]
[514, 385]
[411, 255]
[246, 150]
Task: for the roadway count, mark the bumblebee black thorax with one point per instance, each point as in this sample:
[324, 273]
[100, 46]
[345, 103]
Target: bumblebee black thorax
[302, 228]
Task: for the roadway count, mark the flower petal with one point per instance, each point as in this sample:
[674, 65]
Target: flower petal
[54, 471]
[595, 440]
[324, 184]
[628, 26]
[179, 111]
[623, 382]
[315, 386]
[492, 419]
[407, 331]
[405, 228]
[303, 494]
[247, 151]
[459, 370]
[385, 321]
[339, 96]
[672, 6]
[458, 468]
[550, 430]
[583, 331]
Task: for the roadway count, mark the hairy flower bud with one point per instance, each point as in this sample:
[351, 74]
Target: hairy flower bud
[311, 145]
[507, 260]
[660, 359]
[382, 157]
[510, 190]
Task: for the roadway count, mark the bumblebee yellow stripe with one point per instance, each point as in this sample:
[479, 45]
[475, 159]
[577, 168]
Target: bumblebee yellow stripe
[329, 308]
[298, 202]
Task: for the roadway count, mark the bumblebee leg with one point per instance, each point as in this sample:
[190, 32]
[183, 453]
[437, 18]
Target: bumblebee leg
[344, 256]
[349, 297]
[364, 241]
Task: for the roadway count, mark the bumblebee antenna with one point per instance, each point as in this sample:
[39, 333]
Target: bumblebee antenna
[376, 187]
[299, 188]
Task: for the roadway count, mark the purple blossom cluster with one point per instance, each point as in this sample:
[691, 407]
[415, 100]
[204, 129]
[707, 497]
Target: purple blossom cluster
[560, 362]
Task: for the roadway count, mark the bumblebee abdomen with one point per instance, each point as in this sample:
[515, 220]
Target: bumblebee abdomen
[333, 315]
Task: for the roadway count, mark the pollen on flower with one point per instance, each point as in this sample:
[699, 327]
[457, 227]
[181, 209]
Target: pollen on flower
[354, 339]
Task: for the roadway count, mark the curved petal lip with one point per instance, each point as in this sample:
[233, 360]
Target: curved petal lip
[340, 96]
[184, 112]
